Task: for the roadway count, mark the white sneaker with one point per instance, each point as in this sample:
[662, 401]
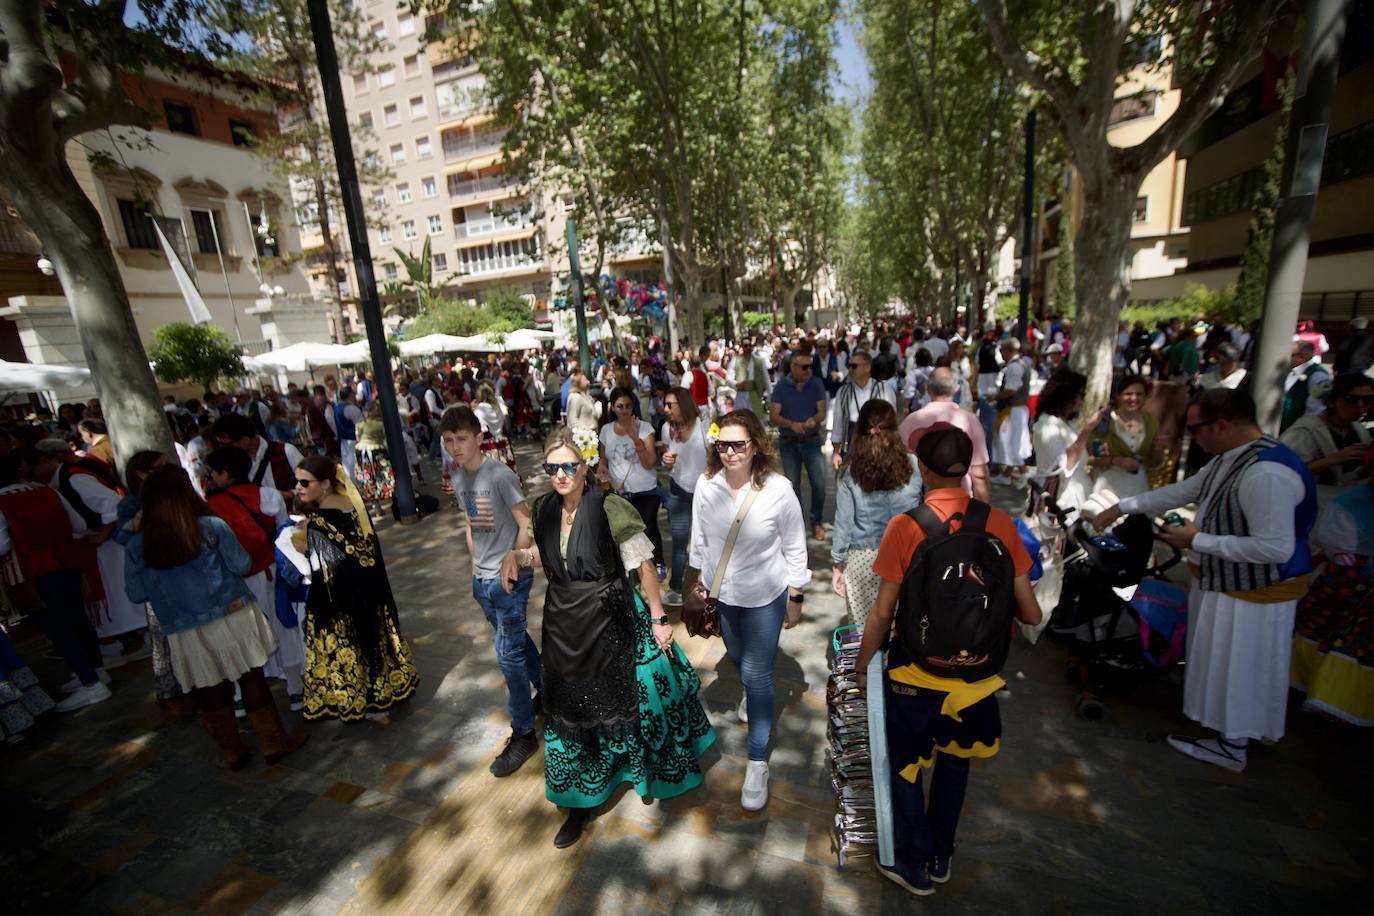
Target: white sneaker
[119, 658]
[754, 795]
[743, 711]
[672, 597]
[85, 696]
[75, 683]
[1210, 750]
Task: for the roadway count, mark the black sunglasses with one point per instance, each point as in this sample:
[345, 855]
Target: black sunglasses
[805, 367]
[1194, 427]
[738, 446]
[304, 483]
[566, 468]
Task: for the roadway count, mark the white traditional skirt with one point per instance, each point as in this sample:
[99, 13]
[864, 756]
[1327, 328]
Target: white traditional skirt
[861, 583]
[1011, 443]
[290, 652]
[222, 650]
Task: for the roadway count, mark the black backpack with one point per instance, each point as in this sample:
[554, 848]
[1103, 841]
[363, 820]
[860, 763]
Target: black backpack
[955, 611]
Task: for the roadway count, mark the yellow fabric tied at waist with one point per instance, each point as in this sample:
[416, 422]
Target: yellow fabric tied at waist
[959, 695]
[1284, 590]
[1001, 418]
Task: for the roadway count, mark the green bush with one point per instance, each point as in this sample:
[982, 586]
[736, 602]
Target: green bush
[1196, 302]
[448, 316]
[199, 353]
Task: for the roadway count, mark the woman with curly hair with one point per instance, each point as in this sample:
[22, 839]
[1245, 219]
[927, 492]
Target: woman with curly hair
[764, 596]
[879, 480]
[620, 699]
[1061, 451]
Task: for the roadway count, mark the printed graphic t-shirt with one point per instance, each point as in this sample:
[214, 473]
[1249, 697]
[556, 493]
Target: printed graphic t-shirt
[487, 496]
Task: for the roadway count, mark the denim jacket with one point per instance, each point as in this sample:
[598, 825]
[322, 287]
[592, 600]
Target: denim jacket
[195, 593]
[861, 518]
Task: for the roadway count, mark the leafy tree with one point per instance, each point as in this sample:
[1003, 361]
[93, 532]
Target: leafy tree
[1254, 263]
[200, 353]
[272, 42]
[506, 305]
[448, 316]
[419, 280]
[1077, 54]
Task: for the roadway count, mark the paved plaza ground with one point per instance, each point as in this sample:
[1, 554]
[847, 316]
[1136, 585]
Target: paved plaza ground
[120, 808]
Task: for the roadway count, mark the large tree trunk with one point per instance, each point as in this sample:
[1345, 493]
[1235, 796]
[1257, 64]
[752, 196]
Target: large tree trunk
[1101, 286]
[332, 254]
[791, 315]
[692, 314]
[54, 206]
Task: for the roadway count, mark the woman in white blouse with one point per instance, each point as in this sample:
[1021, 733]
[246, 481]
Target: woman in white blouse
[581, 408]
[630, 465]
[761, 593]
[1061, 451]
[683, 446]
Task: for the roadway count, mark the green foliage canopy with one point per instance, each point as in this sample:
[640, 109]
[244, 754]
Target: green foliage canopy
[200, 353]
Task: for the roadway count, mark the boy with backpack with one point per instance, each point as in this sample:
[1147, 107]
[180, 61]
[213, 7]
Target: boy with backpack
[954, 573]
[489, 494]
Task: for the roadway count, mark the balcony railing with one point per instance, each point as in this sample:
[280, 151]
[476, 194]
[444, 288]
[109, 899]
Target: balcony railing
[484, 185]
[476, 267]
[461, 147]
[490, 226]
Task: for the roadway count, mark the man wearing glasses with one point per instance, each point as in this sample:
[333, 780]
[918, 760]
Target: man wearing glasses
[797, 409]
[1256, 504]
[858, 389]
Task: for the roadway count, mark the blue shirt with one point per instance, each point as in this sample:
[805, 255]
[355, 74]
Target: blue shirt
[195, 593]
[798, 406]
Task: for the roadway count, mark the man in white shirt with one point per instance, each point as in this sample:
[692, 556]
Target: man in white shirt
[1256, 504]
[858, 388]
[274, 463]
[1304, 390]
[1011, 443]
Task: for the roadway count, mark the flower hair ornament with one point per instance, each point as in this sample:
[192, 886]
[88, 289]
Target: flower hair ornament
[712, 434]
[587, 445]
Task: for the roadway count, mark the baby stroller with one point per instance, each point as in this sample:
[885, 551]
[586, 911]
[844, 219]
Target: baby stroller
[1121, 619]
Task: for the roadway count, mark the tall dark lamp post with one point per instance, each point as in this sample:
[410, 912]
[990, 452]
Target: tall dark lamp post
[328, 61]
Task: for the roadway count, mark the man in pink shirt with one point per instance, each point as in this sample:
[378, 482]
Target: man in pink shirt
[942, 409]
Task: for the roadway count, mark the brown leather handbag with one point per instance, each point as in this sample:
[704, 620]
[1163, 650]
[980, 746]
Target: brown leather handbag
[699, 613]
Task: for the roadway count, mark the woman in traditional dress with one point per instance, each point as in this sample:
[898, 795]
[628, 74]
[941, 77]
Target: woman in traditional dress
[879, 479]
[376, 477]
[494, 442]
[620, 699]
[188, 565]
[357, 665]
[1130, 448]
[1333, 443]
[1333, 645]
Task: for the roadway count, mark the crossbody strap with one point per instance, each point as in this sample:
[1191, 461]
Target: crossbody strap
[730, 540]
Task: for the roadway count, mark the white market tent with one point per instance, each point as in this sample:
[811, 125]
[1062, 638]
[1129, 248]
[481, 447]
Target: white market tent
[16, 378]
[433, 343]
[302, 356]
[527, 339]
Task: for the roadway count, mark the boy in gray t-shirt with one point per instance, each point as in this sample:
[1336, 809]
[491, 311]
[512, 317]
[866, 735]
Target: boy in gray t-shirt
[490, 495]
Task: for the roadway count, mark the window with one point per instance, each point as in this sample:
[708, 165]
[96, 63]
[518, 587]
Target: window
[460, 216]
[1141, 105]
[1142, 209]
[359, 83]
[373, 159]
[243, 133]
[436, 225]
[268, 244]
[138, 226]
[403, 192]
[365, 120]
[440, 261]
[209, 230]
[412, 66]
[405, 25]
[379, 198]
[390, 271]
[428, 188]
[379, 31]
[408, 229]
[180, 118]
[417, 107]
[384, 235]
[423, 148]
[398, 153]
[386, 77]
[392, 115]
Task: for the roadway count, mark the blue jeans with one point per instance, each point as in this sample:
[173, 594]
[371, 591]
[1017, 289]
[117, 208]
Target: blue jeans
[64, 621]
[987, 416]
[751, 642]
[808, 453]
[680, 526]
[516, 653]
[436, 442]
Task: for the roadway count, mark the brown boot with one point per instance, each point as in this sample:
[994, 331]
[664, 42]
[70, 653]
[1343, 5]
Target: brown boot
[276, 743]
[224, 729]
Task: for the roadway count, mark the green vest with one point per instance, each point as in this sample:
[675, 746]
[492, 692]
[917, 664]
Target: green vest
[1295, 399]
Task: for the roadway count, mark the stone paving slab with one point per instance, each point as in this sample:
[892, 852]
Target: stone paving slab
[120, 808]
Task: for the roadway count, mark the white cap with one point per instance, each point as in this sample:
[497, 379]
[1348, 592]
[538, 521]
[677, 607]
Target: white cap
[1054, 348]
[1359, 324]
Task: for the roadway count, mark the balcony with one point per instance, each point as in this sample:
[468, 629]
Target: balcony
[457, 146]
[488, 184]
[491, 226]
[502, 263]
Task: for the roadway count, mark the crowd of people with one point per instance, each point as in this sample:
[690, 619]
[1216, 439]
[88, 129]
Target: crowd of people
[202, 564]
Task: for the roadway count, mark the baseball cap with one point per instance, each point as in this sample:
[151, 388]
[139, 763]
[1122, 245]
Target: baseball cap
[945, 449]
[1055, 348]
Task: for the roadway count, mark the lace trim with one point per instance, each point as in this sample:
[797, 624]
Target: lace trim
[635, 551]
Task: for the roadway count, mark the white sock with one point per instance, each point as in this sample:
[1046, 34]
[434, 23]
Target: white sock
[295, 683]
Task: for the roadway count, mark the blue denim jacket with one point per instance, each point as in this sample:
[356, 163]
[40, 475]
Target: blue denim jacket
[861, 518]
[195, 593]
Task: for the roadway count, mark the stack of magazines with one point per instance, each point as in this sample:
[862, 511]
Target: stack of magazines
[851, 772]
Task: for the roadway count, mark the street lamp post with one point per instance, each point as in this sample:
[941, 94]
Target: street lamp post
[328, 61]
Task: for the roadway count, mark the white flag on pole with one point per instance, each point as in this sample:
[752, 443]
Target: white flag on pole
[194, 303]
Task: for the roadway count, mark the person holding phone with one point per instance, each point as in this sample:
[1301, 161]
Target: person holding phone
[1126, 445]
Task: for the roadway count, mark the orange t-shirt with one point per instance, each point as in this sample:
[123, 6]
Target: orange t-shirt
[903, 535]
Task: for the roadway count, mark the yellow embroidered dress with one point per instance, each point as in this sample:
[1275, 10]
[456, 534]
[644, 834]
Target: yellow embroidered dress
[356, 660]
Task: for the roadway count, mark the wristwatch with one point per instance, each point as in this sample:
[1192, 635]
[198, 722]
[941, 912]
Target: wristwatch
[796, 598]
[659, 621]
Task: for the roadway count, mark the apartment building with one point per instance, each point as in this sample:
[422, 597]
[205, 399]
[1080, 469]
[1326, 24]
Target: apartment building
[198, 172]
[1159, 234]
[1226, 159]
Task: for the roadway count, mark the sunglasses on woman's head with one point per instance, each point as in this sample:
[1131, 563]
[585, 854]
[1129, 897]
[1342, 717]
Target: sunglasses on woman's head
[566, 468]
[724, 446]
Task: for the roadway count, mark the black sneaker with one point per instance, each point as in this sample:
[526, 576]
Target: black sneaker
[938, 869]
[916, 881]
[518, 749]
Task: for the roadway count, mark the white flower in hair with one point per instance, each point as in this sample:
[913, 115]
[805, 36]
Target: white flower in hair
[588, 446]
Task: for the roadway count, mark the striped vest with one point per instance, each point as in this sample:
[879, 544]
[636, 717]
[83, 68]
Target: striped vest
[1224, 516]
